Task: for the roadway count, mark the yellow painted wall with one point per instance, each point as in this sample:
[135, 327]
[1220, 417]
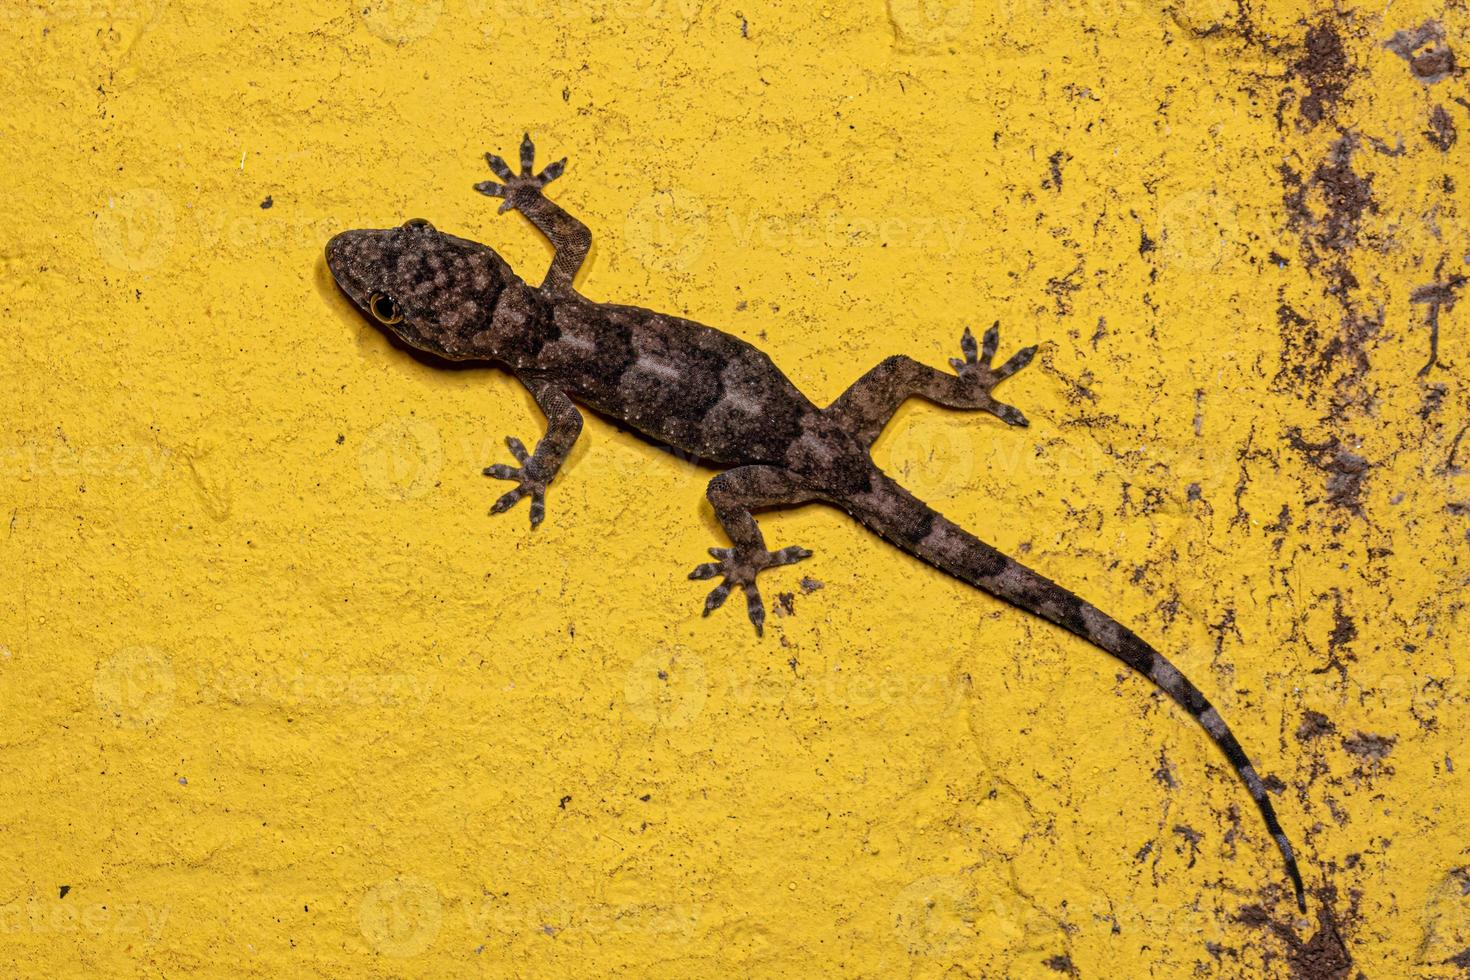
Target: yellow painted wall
[279, 696]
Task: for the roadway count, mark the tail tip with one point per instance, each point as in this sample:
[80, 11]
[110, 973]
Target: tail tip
[1296, 883]
[1292, 870]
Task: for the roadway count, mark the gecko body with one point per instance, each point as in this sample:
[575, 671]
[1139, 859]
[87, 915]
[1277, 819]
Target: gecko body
[711, 395]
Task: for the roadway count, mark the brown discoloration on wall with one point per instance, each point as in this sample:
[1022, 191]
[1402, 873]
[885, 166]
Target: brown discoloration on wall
[1368, 747]
[1326, 211]
[1440, 297]
[1324, 954]
[1345, 469]
[1314, 725]
[1344, 629]
[1441, 132]
[1429, 55]
[1324, 70]
[1062, 964]
[1346, 195]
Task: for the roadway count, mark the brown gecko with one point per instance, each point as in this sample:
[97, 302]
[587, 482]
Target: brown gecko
[705, 393]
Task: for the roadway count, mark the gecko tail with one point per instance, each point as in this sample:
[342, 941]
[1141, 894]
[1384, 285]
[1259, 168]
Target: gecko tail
[912, 525]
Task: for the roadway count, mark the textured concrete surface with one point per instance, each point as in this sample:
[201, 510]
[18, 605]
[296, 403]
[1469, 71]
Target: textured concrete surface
[279, 697]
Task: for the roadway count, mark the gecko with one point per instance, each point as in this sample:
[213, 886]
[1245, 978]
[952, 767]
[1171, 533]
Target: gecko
[708, 394]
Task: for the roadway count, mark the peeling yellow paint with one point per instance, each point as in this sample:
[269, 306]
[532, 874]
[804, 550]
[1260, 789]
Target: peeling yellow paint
[281, 698]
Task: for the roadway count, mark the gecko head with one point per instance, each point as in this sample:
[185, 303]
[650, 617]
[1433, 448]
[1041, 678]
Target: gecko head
[433, 291]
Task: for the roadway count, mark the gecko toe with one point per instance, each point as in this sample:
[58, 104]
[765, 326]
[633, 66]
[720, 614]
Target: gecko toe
[528, 155]
[990, 343]
[755, 608]
[790, 555]
[499, 166]
[1009, 414]
[1018, 360]
[716, 598]
[507, 500]
[967, 347]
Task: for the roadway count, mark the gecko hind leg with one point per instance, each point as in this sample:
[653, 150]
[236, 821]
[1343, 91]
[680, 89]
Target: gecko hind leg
[865, 408]
[734, 494]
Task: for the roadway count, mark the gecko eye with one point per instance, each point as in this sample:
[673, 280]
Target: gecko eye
[418, 223]
[385, 309]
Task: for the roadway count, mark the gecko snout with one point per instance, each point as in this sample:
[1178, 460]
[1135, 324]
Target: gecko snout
[334, 245]
[346, 263]
[349, 254]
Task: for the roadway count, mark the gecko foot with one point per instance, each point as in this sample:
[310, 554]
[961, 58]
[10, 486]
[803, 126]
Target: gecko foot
[521, 188]
[976, 369]
[528, 475]
[740, 566]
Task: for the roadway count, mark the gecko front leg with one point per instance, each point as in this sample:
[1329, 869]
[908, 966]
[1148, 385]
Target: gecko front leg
[523, 192]
[564, 424]
[865, 408]
[734, 494]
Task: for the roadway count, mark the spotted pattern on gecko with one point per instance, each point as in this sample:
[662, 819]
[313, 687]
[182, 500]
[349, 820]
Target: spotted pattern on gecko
[705, 393]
